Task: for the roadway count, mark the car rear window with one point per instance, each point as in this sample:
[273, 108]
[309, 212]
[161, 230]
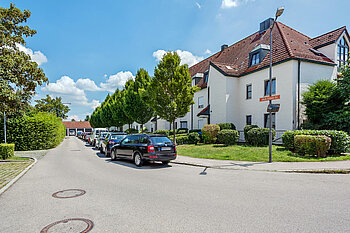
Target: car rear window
[160, 140]
[117, 137]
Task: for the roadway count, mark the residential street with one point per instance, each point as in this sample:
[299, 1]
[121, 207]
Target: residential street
[121, 197]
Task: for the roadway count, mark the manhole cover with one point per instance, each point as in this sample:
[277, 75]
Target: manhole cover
[73, 225]
[69, 193]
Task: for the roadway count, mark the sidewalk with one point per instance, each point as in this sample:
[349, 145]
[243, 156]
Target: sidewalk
[264, 166]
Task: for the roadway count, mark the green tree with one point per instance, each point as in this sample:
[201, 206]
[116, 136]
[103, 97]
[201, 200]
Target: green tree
[53, 105]
[87, 118]
[19, 76]
[134, 105]
[118, 109]
[170, 93]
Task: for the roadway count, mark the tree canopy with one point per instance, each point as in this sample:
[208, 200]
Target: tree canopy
[53, 105]
[19, 75]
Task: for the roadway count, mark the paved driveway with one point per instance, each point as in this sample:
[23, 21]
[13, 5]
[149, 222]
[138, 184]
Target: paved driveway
[123, 198]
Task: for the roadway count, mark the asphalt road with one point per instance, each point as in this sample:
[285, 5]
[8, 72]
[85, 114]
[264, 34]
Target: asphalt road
[123, 198]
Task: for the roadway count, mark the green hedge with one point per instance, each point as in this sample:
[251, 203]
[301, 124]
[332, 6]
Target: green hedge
[209, 133]
[340, 139]
[246, 129]
[259, 136]
[182, 140]
[228, 137]
[312, 145]
[181, 130]
[37, 131]
[131, 131]
[195, 131]
[7, 150]
[227, 126]
[162, 131]
[193, 138]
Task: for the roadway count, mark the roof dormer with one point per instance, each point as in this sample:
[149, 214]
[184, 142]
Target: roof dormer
[258, 54]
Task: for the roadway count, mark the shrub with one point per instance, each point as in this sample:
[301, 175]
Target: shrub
[209, 133]
[7, 150]
[182, 140]
[162, 131]
[259, 136]
[246, 129]
[312, 145]
[227, 126]
[182, 130]
[195, 131]
[228, 136]
[145, 130]
[131, 131]
[340, 141]
[193, 138]
[38, 131]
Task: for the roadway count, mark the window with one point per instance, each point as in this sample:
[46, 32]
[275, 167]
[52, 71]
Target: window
[175, 125]
[248, 120]
[249, 91]
[267, 120]
[206, 75]
[134, 139]
[267, 87]
[343, 52]
[183, 124]
[200, 102]
[255, 59]
[144, 140]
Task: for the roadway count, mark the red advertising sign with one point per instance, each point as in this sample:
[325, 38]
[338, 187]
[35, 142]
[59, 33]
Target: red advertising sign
[267, 98]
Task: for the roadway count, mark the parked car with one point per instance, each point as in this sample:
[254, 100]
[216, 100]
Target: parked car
[95, 134]
[99, 139]
[110, 140]
[87, 136]
[145, 147]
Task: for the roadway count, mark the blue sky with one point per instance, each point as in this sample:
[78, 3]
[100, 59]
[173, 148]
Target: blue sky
[89, 48]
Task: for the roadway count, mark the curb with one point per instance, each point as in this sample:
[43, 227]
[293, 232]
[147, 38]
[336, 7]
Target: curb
[8, 185]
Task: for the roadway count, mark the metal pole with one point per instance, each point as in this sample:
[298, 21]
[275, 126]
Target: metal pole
[270, 101]
[5, 127]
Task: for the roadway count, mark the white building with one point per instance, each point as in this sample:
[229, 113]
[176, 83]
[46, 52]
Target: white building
[233, 80]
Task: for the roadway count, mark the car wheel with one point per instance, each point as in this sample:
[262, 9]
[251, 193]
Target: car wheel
[114, 155]
[138, 159]
[165, 162]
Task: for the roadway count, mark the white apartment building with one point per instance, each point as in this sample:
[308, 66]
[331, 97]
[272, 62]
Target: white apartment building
[233, 80]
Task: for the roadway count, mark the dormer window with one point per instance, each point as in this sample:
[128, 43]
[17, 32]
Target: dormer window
[258, 54]
[343, 52]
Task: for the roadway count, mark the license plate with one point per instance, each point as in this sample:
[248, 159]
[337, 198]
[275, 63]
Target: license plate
[166, 148]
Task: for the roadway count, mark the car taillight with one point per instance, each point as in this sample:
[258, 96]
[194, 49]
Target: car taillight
[175, 150]
[150, 148]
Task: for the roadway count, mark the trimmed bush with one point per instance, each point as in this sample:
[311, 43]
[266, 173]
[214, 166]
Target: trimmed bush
[228, 137]
[312, 145]
[39, 131]
[246, 129]
[259, 136]
[193, 138]
[209, 133]
[227, 126]
[182, 130]
[162, 131]
[195, 131]
[340, 140]
[7, 150]
[131, 131]
[182, 140]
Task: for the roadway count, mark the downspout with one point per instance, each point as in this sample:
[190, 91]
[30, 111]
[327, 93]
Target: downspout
[299, 63]
[192, 116]
[208, 105]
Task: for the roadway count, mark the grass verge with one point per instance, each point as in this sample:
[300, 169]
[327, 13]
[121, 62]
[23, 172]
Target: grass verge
[248, 153]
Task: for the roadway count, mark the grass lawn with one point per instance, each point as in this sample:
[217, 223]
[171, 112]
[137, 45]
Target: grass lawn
[248, 153]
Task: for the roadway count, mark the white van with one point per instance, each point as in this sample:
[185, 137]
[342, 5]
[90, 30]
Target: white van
[95, 133]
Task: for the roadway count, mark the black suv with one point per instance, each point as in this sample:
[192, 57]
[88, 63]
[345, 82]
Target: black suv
[141, 147]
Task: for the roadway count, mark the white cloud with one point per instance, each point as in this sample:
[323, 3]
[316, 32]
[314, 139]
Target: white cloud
[36, 56]
[185, 56]
[198, 5]
[66, 88]
[87, 84]
[207, 51]
[116, 81]
[233, 3]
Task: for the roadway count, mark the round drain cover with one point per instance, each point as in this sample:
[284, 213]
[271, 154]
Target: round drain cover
[69, 193]
[73, 225]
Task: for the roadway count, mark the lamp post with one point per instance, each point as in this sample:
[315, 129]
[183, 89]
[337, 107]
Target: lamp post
[279, 12]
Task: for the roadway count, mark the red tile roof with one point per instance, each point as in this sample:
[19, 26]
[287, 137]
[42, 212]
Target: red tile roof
[329, 37]
[77, 124]
[287, 44]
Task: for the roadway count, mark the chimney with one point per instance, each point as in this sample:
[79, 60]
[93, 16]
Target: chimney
[266, 25]
[223, 47]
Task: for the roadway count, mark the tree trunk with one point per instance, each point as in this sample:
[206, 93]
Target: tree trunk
[174, 132]
[141, 128]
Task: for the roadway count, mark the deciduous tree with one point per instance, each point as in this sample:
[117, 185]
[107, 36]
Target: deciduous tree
[53, 105]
